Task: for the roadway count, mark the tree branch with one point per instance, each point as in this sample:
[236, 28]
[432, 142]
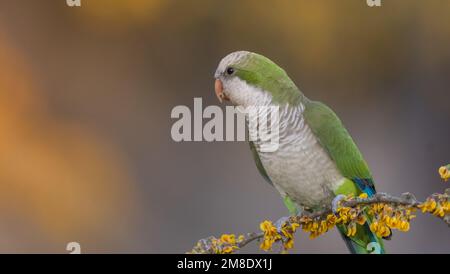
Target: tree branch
[387, 212]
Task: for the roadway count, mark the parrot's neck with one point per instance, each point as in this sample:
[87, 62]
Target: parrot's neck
[244, 94]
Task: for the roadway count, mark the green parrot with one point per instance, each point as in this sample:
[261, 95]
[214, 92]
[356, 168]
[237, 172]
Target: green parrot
[316, 160]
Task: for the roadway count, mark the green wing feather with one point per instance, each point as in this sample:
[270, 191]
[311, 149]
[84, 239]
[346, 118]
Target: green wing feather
[258, 163]
[333, 136]
[336, 140]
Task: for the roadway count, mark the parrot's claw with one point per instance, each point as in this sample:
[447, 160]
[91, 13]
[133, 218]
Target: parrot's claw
[279, 224]
[335, 202]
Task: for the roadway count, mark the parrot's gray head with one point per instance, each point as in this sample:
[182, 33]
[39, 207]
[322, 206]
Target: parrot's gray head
[229, 86]
[229, 61]
[249, 79]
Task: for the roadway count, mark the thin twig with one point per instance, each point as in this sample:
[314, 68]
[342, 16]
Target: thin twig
[407, 200]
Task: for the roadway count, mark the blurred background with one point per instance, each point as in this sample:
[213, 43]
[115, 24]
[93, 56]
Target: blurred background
[86, 95]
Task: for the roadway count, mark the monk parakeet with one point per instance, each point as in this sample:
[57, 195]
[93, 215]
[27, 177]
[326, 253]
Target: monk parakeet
[316, 160]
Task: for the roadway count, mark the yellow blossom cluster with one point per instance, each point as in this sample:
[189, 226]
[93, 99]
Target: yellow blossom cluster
[272, 234]
[381, 215]
[388, 217]
[317, 227]
[382, 218]
[438, 205]
[227, 243]
[345, 215]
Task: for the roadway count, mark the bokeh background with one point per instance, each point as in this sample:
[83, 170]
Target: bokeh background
[86, 95]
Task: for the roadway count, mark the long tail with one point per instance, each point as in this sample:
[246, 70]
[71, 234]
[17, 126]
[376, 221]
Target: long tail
[364, 241]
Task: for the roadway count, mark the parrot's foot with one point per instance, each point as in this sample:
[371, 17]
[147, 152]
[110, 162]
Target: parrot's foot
[335, 202]
[279, 224]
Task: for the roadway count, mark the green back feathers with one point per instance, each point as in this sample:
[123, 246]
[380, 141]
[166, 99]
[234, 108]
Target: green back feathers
[333, 136]
[258, 163]
[336, 140]
[261, 72]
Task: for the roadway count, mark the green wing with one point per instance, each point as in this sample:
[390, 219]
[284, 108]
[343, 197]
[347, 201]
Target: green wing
[258, 163]
[339, 144]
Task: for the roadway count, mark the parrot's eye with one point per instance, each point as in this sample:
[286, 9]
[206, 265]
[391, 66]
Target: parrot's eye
[230, 71]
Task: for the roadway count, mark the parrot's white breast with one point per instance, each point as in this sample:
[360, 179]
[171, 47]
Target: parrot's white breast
[301, 168]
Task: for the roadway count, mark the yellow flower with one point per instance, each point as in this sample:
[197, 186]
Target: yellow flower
[344, 210]
[323, 226]
[445, 206]
[383, 231]
[428, 206]
[268, 228]
[271, 235]
[351, 230]
[361, 219]
[241, 238]
[393, 222]
[228, 238]
[363, 196]
[294, 226]
[377, 207]
[313, 235]
[439, 211]
[227, 249]
[331, 219]
[286, 232]
[345, 214]
[315, 226]
[266, 244]
[289, 244]
[444, 172]
[266, 225]
[306, 227]
[374, 227]
[403, 226]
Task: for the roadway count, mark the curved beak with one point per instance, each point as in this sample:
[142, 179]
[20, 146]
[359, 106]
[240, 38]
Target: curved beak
[218, 86]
